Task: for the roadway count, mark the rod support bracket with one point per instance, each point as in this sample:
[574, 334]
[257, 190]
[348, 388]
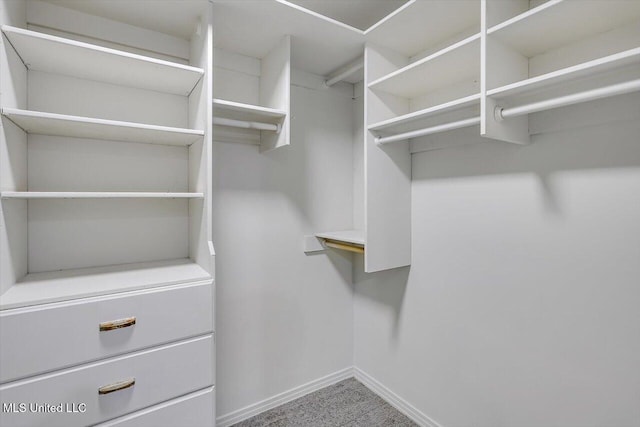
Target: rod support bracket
[497, 113]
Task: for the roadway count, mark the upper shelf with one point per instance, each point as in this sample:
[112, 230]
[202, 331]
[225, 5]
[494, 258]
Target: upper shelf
[456, 63]
[421, 24]
[559, 22]
[254, 113]
[40, 288]
[600, 65]
[85, 127]
[43, 52]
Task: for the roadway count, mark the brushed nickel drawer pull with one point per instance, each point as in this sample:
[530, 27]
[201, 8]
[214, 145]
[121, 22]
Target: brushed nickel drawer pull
[120, 385]
[117, 324]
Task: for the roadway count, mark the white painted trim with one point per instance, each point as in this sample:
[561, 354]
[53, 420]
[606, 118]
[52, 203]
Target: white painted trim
[284, 397]
[394, 400]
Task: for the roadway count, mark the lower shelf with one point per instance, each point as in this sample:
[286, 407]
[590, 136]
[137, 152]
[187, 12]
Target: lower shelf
[63, 285]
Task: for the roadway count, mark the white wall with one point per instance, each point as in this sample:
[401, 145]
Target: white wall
[520, 307]
[283, 318]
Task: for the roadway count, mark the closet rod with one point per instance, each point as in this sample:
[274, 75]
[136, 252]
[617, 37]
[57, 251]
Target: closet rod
[588, 95]
[344, 72]
[428, 131]
[345, 246]
[245, 124]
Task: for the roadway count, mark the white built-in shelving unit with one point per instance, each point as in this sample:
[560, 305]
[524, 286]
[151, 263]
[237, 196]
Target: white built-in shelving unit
[422, 69]
[543, 55]
[49, 62]
[105, 195]
[441, 73]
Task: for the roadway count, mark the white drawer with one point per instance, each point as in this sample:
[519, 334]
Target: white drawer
[192, 410]
[160, 374]
[53, 336]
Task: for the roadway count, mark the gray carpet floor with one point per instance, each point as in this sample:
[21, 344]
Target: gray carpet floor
[347, 403]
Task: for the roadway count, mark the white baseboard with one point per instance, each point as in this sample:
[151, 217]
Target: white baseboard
[394, 400]
[284, 397]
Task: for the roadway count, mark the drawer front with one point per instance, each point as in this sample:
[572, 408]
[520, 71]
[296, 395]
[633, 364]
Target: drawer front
[55, 336]
[160, 374]
[193, 410]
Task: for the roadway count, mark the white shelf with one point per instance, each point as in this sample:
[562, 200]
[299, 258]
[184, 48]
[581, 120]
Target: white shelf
[40, 288]
[355, 237]
[455, 63]
[86, 127]
[420, 24]
[253, 113]
[559, 22]
[96, 195]
[600, 65]
[43, 52]
[416, 116]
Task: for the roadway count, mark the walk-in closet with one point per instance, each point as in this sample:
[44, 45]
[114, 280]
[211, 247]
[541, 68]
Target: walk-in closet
[320, 213]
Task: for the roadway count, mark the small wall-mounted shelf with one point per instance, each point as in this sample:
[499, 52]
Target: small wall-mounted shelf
[96, 195]
[86, 127]
[43, 52]
[347, 240]
[47, 287]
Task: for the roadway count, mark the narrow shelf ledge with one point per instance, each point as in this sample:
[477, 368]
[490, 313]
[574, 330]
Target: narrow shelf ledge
[348, 240]
[86, 127]
[43, 52]
[96, 195]
[246, 112]
[600, 65]
[559, 22]
[456, 63]
[63, 285]
[415, 117]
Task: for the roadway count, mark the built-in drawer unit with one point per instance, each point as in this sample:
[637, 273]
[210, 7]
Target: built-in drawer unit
[192, 410]
[108, 389]
[53, 336]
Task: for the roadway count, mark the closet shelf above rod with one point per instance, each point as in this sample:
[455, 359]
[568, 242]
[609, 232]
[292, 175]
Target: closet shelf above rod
[244, 124]
[562, 101]
[428, 131]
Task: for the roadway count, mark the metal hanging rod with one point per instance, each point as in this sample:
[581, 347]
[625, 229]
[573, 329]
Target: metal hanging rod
[246, 124]
[428, 131]
[588, 95]
[344, 72]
